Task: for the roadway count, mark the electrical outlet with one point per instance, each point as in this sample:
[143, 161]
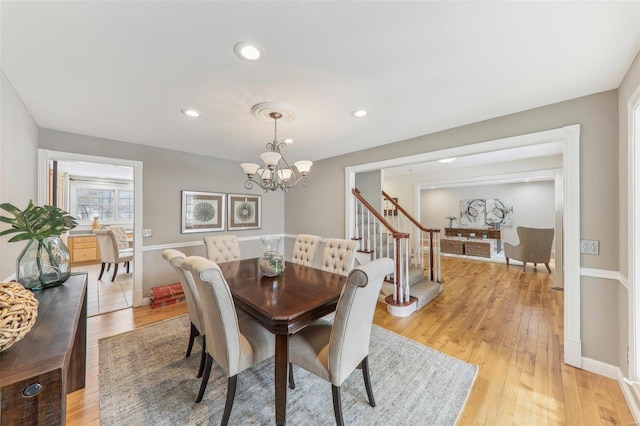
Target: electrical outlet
[589, 247]
[147, 232]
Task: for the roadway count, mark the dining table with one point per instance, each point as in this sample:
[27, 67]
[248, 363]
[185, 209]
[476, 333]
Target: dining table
[284, 305]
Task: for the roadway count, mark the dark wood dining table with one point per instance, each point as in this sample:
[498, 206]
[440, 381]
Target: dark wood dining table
[283, 305]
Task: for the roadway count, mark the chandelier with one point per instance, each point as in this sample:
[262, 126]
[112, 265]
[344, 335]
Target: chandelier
[276, 172]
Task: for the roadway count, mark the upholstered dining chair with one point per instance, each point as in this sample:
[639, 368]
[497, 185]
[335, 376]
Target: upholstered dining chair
[121, 236]
[304, 249]
[535, 246]
[222, 248]
[109, 252]
[175, 259]
[338, 256]
[333, 352]
[235, 343]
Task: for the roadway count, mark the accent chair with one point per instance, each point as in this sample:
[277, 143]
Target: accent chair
[535, 246]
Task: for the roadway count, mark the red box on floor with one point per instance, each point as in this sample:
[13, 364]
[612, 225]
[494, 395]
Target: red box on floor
[161, 303]
[166, 295]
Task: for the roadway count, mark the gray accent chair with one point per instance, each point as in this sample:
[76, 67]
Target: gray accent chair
[304, 249]
[333, 351]
[175, 259]
[235, 344]
[110, 253]
[535, 246]
[222, 248]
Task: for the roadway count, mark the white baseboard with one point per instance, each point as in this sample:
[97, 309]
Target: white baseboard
[628, 393]
[601, 368]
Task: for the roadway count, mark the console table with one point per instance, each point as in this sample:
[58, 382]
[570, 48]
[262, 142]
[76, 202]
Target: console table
[495, 234]
[37, 372]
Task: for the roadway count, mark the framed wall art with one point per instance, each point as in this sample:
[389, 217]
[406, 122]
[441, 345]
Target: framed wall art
[244, 211]
[202, 211]
[472, 212]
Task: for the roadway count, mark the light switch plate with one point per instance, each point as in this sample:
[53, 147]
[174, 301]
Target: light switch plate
[589, 247]
[147, 232]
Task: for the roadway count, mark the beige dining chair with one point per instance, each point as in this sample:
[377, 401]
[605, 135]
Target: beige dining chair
[121, 236]
[235, 343]
[175, 259]
[338, 256]
[304, 249]
[222, 248]
[333, 352]
[535, 247]
[109, 252]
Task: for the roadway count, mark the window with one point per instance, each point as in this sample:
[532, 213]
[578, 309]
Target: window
[110, 202]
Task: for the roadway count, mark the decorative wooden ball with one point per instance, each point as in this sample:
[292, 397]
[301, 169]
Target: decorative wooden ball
[18, 313]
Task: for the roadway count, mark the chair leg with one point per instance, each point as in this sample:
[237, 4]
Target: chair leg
[203, 358]
[548, 268]
[108, 267]
[535, 266]
[524, 266]
[367, 381]
[205, 377]
[231, 394]
[292, 383]
[115, 272]
[507, 261]
[127, 266]
[192, 336]
[337, 405]
[101, 271]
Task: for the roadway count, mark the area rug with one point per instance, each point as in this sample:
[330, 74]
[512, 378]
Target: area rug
[146, 380]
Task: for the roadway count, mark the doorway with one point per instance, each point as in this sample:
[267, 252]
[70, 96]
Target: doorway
[569, 137]
[46, 158]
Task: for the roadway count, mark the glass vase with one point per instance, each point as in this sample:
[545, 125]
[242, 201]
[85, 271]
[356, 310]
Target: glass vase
[43, 264]
[271, 263]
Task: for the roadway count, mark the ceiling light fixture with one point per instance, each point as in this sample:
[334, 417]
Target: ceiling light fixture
[276, 172]
[359, 113]
[190, 113]
[447, 160]
[247, 51]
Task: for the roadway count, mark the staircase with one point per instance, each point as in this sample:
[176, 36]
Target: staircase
[397, 235]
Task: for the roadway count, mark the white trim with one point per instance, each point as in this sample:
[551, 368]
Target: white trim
[604, 273]
[44, 156]
[537, 175]
[601, 368]
[569, 136]
[633, 232]
[201, 242]
[629, 391]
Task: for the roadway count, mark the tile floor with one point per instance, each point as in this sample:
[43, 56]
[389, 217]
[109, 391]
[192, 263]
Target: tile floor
[106, 296]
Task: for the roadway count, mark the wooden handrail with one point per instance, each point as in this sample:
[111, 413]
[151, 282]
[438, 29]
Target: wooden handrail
[406, 213]
[390, 228]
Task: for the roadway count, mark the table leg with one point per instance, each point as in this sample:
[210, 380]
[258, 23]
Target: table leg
[282, 365]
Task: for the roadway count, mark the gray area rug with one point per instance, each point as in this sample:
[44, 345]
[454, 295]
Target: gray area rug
[146, 380]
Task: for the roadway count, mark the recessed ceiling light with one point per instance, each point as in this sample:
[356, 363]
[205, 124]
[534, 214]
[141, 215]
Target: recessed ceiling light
[190, 113]
[248, 51]
[447, 160]
[359, 113]
[527, 180]
[288, 140]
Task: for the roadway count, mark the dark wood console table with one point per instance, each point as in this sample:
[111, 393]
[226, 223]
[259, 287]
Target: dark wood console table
[495, 234]
[37, 372]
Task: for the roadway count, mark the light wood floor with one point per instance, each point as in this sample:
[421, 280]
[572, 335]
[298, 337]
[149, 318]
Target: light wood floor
[506, 321]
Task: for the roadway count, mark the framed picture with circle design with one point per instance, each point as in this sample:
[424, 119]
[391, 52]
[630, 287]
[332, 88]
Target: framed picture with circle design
[244, 211]
[203, 211]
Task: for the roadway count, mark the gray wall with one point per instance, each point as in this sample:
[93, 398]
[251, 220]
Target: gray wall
[629, 85]
[18, 163]
[370, 186]
[165, 174]
[598, 117]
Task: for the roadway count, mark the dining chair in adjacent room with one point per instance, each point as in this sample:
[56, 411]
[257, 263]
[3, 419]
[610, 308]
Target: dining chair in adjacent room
[235, 343]
[175, 259]
[333, 351]
[304, 249]
[222, 248]
[110, 253]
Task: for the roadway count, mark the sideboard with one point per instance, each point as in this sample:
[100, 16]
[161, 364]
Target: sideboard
[495, 234]
[37, 372]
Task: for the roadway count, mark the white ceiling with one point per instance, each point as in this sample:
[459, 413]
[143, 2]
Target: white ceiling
[124, 70]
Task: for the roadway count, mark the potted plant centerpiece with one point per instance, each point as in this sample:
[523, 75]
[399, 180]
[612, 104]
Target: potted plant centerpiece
[45, 261]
